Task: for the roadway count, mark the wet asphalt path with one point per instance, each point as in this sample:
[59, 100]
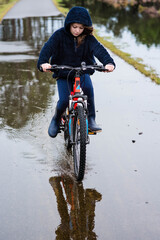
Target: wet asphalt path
[32, 8]
[39, 199]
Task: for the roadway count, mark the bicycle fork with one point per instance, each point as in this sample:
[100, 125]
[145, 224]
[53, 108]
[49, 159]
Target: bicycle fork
[77, 98]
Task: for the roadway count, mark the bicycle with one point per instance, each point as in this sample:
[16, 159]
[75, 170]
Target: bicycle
[74, 121]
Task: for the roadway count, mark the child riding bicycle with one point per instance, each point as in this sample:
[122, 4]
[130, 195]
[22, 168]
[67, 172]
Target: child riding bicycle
[72, 45]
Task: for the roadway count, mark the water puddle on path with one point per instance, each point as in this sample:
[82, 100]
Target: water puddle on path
[36, 165]
[39, 197]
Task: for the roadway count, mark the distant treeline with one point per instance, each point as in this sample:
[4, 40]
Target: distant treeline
[149, 7]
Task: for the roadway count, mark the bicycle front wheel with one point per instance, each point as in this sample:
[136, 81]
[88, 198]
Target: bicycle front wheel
[80, 140]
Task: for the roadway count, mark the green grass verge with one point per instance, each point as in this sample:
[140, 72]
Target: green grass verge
[136, 63]
[144, 69]
[61, 9]
[4, 8]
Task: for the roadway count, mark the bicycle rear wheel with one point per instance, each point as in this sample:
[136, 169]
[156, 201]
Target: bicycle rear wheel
[80, 140]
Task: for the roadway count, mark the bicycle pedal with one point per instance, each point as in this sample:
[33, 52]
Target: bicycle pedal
[92, 133]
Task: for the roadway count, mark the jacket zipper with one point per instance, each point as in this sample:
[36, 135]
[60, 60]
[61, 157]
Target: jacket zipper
[75, 45]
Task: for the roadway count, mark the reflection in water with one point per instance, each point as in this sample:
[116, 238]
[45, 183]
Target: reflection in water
[35, 31]
[129, 30]
[23, 90]
[144, 29]
[76, 207]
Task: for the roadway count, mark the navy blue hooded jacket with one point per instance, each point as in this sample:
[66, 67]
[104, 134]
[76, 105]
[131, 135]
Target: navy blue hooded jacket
[62, 48]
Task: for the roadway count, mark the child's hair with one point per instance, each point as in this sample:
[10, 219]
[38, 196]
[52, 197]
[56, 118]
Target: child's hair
[87, 31]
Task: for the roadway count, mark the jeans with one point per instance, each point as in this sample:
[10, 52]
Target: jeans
[64, 92]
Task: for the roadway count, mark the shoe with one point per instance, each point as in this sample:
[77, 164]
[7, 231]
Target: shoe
[55, 124]
[92, 125]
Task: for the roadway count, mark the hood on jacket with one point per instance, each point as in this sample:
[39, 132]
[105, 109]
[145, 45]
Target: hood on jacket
[78, 15]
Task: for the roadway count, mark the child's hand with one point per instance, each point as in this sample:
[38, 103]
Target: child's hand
[109, 67]
[46, 66]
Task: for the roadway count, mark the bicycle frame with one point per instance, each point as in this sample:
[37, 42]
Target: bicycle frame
[76, 98]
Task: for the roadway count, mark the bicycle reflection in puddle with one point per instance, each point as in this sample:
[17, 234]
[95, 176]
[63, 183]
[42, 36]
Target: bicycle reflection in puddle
[76, 207]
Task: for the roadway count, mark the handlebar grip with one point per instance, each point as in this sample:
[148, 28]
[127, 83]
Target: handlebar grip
[41, 69]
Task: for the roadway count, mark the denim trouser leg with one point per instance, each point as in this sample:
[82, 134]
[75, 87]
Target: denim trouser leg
[63, 93]
[88, 90]
[64, 89]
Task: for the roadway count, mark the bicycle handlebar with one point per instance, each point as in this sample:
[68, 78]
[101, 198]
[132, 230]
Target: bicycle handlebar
[83, 67]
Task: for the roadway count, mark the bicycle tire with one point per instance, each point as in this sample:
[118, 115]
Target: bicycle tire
[80, 140]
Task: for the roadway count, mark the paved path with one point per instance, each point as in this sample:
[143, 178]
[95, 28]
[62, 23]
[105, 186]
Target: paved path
[32, 8]
[122, 162]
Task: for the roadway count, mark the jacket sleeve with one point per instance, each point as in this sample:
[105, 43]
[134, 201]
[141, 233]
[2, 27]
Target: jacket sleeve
[100, 52]
[49, 50]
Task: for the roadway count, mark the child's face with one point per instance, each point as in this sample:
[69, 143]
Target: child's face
[76, 29]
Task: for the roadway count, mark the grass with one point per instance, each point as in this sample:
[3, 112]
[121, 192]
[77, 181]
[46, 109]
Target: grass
[61, 9]
[4, 8]
[137, 63]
